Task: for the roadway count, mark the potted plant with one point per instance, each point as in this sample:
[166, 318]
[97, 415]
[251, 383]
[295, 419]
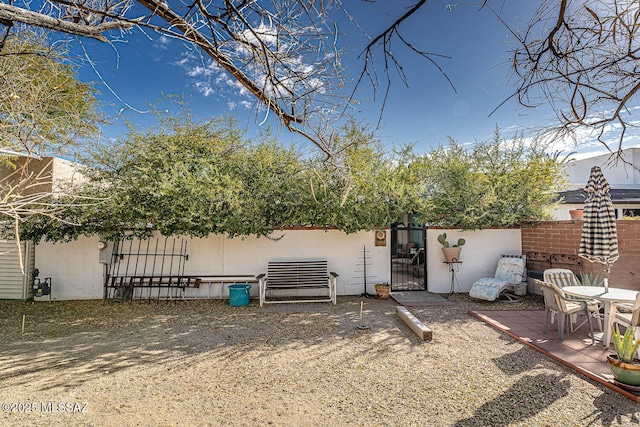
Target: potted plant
[624, 365]
[576, 213]
[383, 289]
[590, 279]
[451, 252]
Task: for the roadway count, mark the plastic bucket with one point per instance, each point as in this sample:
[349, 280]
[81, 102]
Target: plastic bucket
[520, 289]
[239, 294]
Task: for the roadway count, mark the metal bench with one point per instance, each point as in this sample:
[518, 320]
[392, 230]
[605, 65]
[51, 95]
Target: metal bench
[283, 276]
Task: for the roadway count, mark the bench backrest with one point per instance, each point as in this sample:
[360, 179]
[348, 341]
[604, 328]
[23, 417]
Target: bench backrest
[297, 273]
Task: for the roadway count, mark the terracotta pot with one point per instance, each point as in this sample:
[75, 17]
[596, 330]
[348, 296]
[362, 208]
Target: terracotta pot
[626, 373]
[576, 213]
[452, 254]
[383, 291]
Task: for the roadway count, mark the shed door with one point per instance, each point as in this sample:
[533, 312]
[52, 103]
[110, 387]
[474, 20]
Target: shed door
[13, 284]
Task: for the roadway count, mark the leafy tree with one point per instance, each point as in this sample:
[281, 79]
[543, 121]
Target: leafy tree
[191, 179]
[365, 192]
[44, 108]
[494, 183]
[195, 179]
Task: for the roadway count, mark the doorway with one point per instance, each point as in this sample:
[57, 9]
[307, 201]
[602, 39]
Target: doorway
[408, 255]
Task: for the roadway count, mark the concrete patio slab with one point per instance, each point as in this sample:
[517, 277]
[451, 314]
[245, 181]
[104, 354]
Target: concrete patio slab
[418, 298]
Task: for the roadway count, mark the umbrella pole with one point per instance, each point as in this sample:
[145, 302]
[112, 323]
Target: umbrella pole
[607, 270]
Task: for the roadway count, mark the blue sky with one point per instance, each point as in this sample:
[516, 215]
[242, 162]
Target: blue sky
[143, 67]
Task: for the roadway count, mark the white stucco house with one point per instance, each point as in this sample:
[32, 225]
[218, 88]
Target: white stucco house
[31, 176]
[623, 178]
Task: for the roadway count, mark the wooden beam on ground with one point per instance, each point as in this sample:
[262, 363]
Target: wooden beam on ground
[416, 326]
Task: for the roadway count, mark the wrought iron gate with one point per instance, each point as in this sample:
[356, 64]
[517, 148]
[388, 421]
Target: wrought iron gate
[146, 269]
[408, 267]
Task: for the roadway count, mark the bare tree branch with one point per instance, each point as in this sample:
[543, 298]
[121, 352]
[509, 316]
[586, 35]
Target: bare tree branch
[585, 65]
[283, 52]
[385, 39]
[9, 14]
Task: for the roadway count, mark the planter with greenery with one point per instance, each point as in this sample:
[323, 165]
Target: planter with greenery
[451, 251]
[590, 279]
[624, 365]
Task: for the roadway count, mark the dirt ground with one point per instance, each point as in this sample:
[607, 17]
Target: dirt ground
[205, 363]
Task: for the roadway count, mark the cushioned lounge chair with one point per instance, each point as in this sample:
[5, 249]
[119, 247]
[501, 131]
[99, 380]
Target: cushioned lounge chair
[510, 272]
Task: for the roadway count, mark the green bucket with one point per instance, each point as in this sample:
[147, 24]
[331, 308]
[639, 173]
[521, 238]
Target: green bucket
[239, 294]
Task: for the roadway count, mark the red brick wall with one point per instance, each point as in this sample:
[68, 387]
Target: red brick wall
[564, 237]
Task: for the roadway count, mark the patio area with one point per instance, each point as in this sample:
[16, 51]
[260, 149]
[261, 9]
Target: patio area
[575, 352]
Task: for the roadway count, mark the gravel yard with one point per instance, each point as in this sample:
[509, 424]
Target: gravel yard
[205, 363]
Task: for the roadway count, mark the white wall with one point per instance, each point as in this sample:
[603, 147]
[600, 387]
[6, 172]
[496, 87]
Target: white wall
[77, 274]
[562, 212]
[73, 267]
[479, 256]
[344, 252]
[65, 172]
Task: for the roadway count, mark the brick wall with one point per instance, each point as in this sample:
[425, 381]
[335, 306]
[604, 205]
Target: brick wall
[564, 237]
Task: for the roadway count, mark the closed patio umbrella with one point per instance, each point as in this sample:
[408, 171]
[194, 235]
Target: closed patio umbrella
[599, 240]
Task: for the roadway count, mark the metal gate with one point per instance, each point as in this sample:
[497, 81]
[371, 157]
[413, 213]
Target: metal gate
[408, 267]
[145, 269]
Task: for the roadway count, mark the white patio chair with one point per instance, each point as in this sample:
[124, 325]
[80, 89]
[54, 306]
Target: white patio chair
[563, 277]
[628, 315]
[550, 305]
[556, 300]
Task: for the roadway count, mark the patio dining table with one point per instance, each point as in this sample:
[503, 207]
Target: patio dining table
[608, 297]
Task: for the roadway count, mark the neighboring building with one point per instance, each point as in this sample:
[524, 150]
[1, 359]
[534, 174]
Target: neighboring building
[46, 175]
[30, 177]
[623, 178]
